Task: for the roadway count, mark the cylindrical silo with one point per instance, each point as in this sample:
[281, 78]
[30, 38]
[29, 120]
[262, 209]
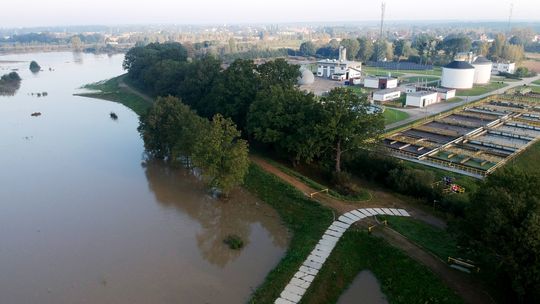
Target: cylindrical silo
[458, 75]
[482, 70]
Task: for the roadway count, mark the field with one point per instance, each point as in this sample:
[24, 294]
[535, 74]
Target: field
[402, 279]
[392, 116]
[481, 89]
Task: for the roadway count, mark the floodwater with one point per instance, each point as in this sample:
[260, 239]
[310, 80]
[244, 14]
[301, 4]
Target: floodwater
[364, 289]
[85, 219]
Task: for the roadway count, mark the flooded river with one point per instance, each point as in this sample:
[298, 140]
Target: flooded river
[85, 219]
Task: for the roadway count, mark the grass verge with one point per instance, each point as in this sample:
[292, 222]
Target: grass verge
[305, 219]
[528, 159]
[111, 90]
[433, 239]
[402, 279]
[481, 89]
[536, 82]
[363, 195]
[392, 116]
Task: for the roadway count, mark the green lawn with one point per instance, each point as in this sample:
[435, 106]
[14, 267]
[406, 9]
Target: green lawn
[534, 89]
[481, 89]
[110, 90]
[434, 240]
[306, 220]
[421, 79]
[393, 115]
[529, 160]
[402, 279]
[536, 82]
[437, 71]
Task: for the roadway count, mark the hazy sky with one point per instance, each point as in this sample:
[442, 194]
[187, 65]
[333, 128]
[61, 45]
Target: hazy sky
[76, 12]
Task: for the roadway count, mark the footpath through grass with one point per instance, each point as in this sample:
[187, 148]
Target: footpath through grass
[402, 279]
[306, 220]
[391, 116]
[111, 90]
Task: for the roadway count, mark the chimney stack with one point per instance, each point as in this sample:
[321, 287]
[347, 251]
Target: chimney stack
[342, 53]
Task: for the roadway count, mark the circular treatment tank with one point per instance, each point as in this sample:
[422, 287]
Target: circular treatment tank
[306, 77]
[458, 75]
[482, 70]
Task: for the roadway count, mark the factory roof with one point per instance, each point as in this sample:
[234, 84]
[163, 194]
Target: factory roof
[459, 65]
[387, 91]
[421, 93]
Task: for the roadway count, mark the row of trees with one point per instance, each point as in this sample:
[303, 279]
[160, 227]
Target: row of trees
[263, 101]
[423, 48]
[172, 131]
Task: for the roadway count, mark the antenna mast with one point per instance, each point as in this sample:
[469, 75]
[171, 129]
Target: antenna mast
[510, 15]
[383, 9]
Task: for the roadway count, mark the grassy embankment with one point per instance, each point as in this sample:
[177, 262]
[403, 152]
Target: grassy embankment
[392, 116]
[405, 280]
[111, 90]
[481, 89]
[536, 82]
[402, 279]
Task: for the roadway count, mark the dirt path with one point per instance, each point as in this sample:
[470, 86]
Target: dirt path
[122, 85]
[379, 198]
[470, 290]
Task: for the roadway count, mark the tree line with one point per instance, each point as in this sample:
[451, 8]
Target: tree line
[262, 100]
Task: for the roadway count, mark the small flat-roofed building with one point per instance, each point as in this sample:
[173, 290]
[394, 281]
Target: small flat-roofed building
[422, 99]
[386, 94]
[443, 93]
[505, 67]
[380, 82]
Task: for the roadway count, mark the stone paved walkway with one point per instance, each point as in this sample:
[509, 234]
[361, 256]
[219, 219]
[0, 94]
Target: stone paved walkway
[301, 281]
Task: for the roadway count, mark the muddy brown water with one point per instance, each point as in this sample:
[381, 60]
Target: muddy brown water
[84, 218]
[364, 289]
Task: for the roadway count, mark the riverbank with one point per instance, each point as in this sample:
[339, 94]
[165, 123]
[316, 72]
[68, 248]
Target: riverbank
[307, 220]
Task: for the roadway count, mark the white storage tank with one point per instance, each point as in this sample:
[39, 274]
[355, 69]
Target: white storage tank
[482, 70]
[458, 75]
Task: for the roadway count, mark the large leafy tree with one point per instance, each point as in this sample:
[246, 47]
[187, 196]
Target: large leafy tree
[349, 123]
[289, 120]
[221, 155]
[365, 49]
[233, 92]
[308, 48]
[352, 46]
[199, 79]
[170, 129]
[454, 44]
[505, 220]
[278, 72]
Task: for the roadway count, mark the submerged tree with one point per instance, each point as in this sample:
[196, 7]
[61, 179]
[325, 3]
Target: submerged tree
[221, 154]
[34, 67]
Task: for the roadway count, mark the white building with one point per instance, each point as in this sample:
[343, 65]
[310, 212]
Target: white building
[482, 70]
[505, 67]
[422, 99]
[341, 69]
[442, 93]
[386, 95]
[458, 75]
[380, 82]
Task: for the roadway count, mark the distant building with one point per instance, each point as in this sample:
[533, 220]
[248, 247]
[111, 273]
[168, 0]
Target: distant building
[341, 69]
[386, 95]
[505, 67]
[464, 56]
[380, 82]
[421, 99]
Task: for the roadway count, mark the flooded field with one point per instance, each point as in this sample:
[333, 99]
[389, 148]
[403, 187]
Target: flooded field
[84, 218]
[364, 289]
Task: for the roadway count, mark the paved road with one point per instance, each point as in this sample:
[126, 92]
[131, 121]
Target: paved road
[418, 113]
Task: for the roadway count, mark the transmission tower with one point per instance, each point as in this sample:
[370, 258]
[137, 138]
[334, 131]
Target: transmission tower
[383, 9]
[510, 16]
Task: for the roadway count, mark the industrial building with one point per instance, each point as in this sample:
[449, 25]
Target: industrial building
[504, 67]
[422, 99]
[482, 70]
[380, 82]
[458, 75]
[442, 93]
[386, 95]
[341, 69]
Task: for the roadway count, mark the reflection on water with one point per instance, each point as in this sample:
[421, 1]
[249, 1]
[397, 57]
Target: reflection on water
[364, 289]
[81, 221]
[9, 89]
[178, 188]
